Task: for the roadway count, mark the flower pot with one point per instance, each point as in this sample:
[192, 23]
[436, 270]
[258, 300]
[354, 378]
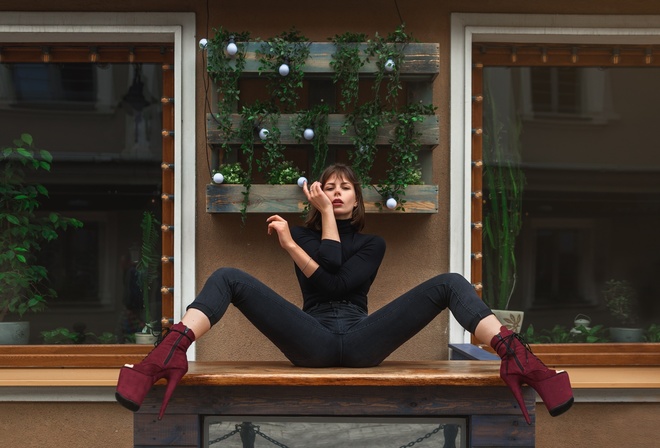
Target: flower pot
[510, 319]
[145, 338]
[620, 334]
[14, 333]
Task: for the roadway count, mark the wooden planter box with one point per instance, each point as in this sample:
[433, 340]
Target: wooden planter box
[226, 198]
[429, 130]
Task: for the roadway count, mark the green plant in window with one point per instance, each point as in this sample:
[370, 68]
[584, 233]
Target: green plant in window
[316, 121]
[652, 333]
[148, 267]
[23, 283]
[503, 180]
[225, 70]
[346, 63]
[281, 60]
[622, 302]
[63, 335]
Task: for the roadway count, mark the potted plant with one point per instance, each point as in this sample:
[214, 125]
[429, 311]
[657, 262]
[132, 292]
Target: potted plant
[23, 282]
[503, 187]
[621, 300]
[147, 273]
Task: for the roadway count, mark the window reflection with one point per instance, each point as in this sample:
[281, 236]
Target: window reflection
[591, 196]
[101, 123]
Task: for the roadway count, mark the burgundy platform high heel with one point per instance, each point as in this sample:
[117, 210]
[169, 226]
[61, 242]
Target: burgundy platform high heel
[520, 366]
[168, 360]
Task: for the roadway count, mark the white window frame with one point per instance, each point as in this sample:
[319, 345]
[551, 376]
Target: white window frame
[467, 28]
[178, 28]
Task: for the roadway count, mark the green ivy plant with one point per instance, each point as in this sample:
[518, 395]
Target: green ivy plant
[23, 282]
[366, 121]
[291, 48]
[225, 71]
[233, 173]
[403, 157]
[622, 302]
[284, 173]
[346, 63]
[384, 49]
[316, 119]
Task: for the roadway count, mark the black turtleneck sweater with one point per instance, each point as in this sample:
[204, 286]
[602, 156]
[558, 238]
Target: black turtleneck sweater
[346, 269]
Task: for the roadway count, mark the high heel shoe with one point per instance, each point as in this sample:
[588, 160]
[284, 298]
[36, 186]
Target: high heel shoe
[520, 366]
[167, 360]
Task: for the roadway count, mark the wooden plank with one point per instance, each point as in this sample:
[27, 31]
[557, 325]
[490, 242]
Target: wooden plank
[173, 430]
[338, 400]
[429, 130]
[290, 199]
[85, 355]
[390, 373]
[501, 431]
[420, 60]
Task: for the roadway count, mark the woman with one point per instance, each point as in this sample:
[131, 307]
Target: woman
[336, 265]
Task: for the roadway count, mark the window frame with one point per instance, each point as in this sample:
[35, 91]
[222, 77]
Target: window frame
[468, 29]
[177, 29]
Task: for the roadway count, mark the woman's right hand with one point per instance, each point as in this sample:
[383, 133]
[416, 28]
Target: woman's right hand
[317, 197]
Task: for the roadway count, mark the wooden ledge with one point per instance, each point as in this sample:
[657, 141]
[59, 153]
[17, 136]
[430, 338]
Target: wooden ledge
[389, 373]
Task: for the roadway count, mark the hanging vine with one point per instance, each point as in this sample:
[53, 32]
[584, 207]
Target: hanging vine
[366, 121]
[389, 54]
[346, 63]
[316, 121]
[403, 156]
[225, 70]
[281, 61]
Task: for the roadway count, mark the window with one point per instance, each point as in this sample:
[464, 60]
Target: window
[103, 123]
[588, 196]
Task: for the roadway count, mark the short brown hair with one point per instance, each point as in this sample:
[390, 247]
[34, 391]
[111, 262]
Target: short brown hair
[346, 173]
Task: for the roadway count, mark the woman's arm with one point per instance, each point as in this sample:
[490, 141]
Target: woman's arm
[304, 261]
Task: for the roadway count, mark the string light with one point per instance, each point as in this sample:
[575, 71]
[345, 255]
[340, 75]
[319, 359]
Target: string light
[232, 49]
[514, 54]
[649, 56]
[615, 56]
[544, 55]
[45, 55]
[574, 55]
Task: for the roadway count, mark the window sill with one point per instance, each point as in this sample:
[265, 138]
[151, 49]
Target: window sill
[58, 356]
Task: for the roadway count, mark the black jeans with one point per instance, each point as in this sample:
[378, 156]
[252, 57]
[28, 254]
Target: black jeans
[339, 333]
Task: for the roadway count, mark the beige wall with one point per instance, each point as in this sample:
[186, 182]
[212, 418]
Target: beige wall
[78, 425]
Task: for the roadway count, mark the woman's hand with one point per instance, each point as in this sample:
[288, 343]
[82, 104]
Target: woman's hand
[281, 227]
[317, 197]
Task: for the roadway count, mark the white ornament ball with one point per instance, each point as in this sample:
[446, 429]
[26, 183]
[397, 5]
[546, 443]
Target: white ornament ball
[218, 178]
[301, 181]
[389, 65]
[263, 133]
[284, 69]
[391, 203]
[308, 134]
[203, 43]
[232, 49]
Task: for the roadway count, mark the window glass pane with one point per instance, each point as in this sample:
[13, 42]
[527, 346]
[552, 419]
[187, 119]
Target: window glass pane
[102, 125]
[332, 432]
[573, 197]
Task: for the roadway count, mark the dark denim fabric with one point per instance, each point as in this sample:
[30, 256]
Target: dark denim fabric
[339, 333]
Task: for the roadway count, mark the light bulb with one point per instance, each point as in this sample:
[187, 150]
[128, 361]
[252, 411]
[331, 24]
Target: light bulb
[301, 181]
[284, 69]
[389, 65]
[232, 49]
[203, 43]
[391, 203]
[218, 178]
[363, 149]
[308, 134]
[263, 133]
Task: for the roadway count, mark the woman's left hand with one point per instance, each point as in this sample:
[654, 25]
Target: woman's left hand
[281, 227]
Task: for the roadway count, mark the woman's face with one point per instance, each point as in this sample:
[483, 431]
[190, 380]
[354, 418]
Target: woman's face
[342, 195]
